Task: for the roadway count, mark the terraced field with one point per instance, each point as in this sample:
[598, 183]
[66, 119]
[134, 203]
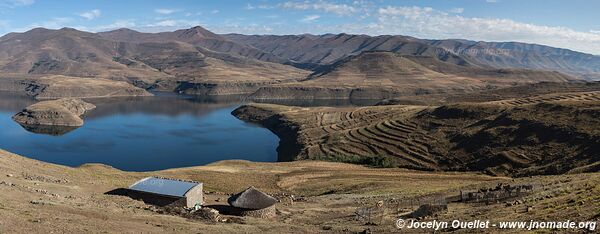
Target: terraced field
[519, 136]
[560, 97]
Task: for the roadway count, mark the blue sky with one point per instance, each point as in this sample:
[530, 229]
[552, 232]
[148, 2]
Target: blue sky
[573, 24]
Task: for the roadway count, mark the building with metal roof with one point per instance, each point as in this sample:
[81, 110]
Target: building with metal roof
[167, 192]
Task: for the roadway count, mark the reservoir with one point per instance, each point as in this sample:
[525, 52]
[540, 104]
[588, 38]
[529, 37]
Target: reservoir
[144, 133]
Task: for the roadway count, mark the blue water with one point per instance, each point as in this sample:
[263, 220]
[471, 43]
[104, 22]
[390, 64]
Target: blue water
[142, 134]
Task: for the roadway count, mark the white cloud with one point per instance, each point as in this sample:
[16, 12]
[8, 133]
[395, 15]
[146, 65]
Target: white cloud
[165, 23]
[54, 23]
[16, 3]
[262, 7]
[430, 23]
[90, 15]
[214, 11]
[595, 31]
[128, 23]
[4, 25]
[236, 27]
[173, 24]
[491, 1]
[165, 11]
[310, 18]
[457, 10]
[338, 9]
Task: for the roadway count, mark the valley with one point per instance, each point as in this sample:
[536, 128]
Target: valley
[349, 133]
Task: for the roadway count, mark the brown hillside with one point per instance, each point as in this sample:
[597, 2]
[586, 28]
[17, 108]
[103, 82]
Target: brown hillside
[162, 64]
[379, 75]
[317, 50]
[535, 135]
[196, 36]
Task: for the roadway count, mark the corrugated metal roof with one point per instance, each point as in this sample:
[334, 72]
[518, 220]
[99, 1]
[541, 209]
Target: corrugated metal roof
[162, 186]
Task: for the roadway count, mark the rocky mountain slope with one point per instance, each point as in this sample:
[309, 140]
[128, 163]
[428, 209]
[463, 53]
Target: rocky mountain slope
[379, 75]
[314, 50]
[196, 36]
[197, 61]
[57, 86]
[66, 52]
[160, 64]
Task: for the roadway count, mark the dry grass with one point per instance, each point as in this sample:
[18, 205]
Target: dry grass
[41, 197]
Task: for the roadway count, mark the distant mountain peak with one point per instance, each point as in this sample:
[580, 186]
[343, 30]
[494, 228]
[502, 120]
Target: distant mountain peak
[68, 29]
[126, 30]
[197, 31]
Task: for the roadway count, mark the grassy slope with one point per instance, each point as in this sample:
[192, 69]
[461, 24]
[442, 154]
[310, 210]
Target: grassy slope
[42, 197]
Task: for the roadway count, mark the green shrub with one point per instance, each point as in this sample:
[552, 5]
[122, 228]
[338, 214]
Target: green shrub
[372, 161]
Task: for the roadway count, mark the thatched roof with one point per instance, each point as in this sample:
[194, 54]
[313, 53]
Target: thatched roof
[252, 198]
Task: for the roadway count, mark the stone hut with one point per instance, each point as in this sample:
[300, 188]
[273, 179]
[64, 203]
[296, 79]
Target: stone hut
[254, 203]
[167, 192]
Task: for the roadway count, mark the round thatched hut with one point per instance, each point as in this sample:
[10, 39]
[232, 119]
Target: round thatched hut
[254, 203]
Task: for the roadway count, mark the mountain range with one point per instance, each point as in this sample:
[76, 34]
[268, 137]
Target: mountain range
[312, 50]
[197, 61]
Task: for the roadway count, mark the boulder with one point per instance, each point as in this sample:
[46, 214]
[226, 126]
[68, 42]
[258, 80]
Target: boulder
[209, 214]
[428, 210]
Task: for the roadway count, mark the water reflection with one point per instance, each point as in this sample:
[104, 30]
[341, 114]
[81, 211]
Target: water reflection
[48, 130]
[141, 134]
[167, 104]
[14, 101]
[320, 102]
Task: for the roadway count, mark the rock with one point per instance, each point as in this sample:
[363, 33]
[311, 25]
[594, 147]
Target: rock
[9, 175]
[208, 214]
[40, 202]
[281, 212]
[65, 112]
[428, 210]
